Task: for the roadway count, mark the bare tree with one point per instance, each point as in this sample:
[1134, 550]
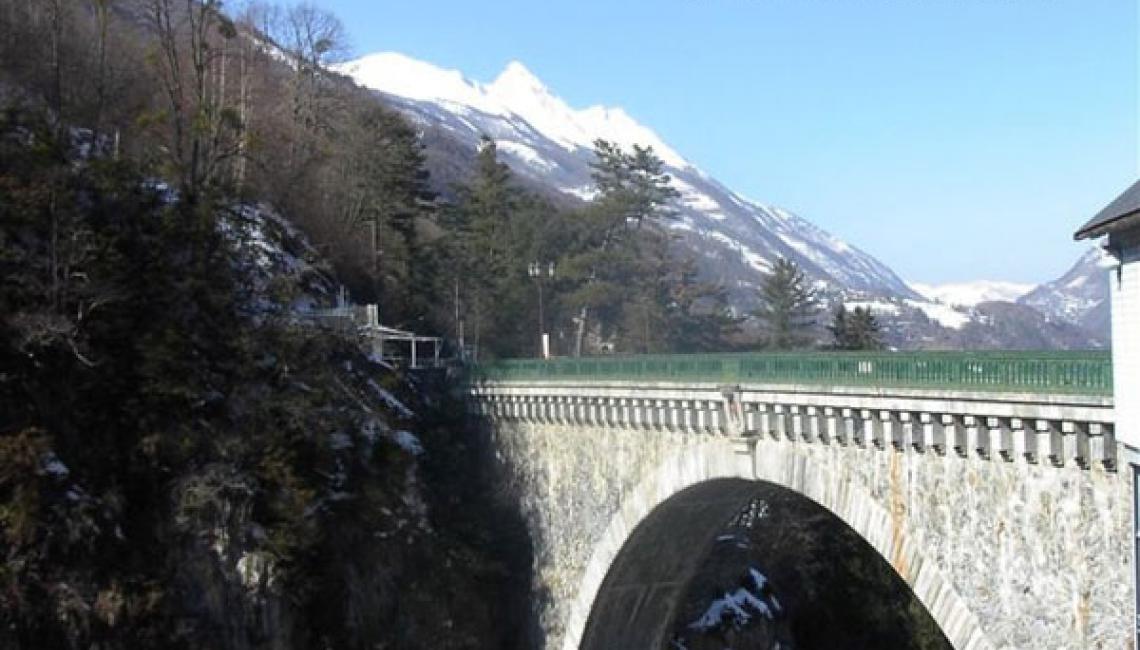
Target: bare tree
[194, 39]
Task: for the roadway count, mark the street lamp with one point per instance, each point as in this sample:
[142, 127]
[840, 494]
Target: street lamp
[538, 271]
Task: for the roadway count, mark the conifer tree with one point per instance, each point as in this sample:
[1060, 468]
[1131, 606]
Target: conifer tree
[787, 308]
[634, 190]
[699, 316]
[856, 329]
[486, 243]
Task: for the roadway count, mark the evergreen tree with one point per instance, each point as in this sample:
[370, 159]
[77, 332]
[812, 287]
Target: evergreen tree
[856, 329]
[840, 328]
[380, 189]
[787, 307]
[490, 243]
[699, 316]
[615, 255]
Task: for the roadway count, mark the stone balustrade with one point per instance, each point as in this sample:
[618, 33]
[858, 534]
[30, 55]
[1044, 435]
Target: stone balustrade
[1054, 430]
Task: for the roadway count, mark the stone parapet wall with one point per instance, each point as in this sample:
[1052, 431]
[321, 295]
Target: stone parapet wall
[1049, 429]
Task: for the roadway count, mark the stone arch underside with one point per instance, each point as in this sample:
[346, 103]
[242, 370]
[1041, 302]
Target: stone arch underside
[640, 567]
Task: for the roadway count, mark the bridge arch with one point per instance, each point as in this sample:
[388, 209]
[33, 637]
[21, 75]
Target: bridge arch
[706, 484]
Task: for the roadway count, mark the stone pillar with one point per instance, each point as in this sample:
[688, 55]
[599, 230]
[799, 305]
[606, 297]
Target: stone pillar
[1025, 439]
[934, 433]
[1075, 436]
[1049, 448]
[955, 428]
[977, 436]
[1002, 429]
[1102, 446]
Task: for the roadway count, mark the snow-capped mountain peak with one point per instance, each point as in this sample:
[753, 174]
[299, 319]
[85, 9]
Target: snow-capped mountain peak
[515, 92]
[517, 79]
[401, 75]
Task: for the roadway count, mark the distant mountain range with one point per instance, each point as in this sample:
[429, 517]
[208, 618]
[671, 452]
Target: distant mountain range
[734, 240]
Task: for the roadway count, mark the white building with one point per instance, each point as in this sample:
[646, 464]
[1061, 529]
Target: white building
[1120, 221]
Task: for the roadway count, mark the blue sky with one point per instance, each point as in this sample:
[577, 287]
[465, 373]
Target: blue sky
[953, 139]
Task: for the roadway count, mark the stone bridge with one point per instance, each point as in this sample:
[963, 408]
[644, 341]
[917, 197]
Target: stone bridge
[989, 482]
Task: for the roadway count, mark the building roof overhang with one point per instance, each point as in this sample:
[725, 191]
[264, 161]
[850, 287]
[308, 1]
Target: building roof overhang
[1123, 214]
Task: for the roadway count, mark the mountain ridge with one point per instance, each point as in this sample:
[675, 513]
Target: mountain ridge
[734, 240]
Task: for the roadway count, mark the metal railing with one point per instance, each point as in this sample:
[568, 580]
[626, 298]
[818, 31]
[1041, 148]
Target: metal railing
[1076, 372]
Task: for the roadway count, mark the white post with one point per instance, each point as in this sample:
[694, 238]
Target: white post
[545, 346]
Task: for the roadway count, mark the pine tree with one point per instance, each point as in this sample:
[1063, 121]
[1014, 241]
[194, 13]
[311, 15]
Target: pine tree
[865, 333]
[699, 316]
[615, 253]
[856, 329]
[787, 307]
[488, 245]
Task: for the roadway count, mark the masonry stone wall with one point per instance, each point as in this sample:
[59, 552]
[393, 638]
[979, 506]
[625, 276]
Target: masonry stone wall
[1003, 554]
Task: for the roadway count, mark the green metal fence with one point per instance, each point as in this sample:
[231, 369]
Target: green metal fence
[1080, 372]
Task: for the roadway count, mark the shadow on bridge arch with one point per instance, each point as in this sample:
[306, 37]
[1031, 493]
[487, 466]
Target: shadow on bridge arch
[638, 576]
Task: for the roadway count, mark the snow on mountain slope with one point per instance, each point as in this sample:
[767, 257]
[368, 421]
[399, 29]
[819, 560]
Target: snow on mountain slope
[969, 294]
[1080, 296]
[515, 93]
[545, 140]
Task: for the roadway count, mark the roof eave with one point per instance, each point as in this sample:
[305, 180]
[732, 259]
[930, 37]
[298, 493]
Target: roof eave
[1123, 222]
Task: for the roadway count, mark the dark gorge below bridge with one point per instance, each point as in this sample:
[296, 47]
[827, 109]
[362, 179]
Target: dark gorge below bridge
[780, 572]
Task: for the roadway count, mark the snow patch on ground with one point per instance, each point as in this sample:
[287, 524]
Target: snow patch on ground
[738, 608]
[694, 198]
[526, 153]
[944, 315]
[875, 306]
[585, 192]
[750, 257]
[390, 399]
[408, 441]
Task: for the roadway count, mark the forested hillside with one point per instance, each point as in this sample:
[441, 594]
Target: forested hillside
[186, 459]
